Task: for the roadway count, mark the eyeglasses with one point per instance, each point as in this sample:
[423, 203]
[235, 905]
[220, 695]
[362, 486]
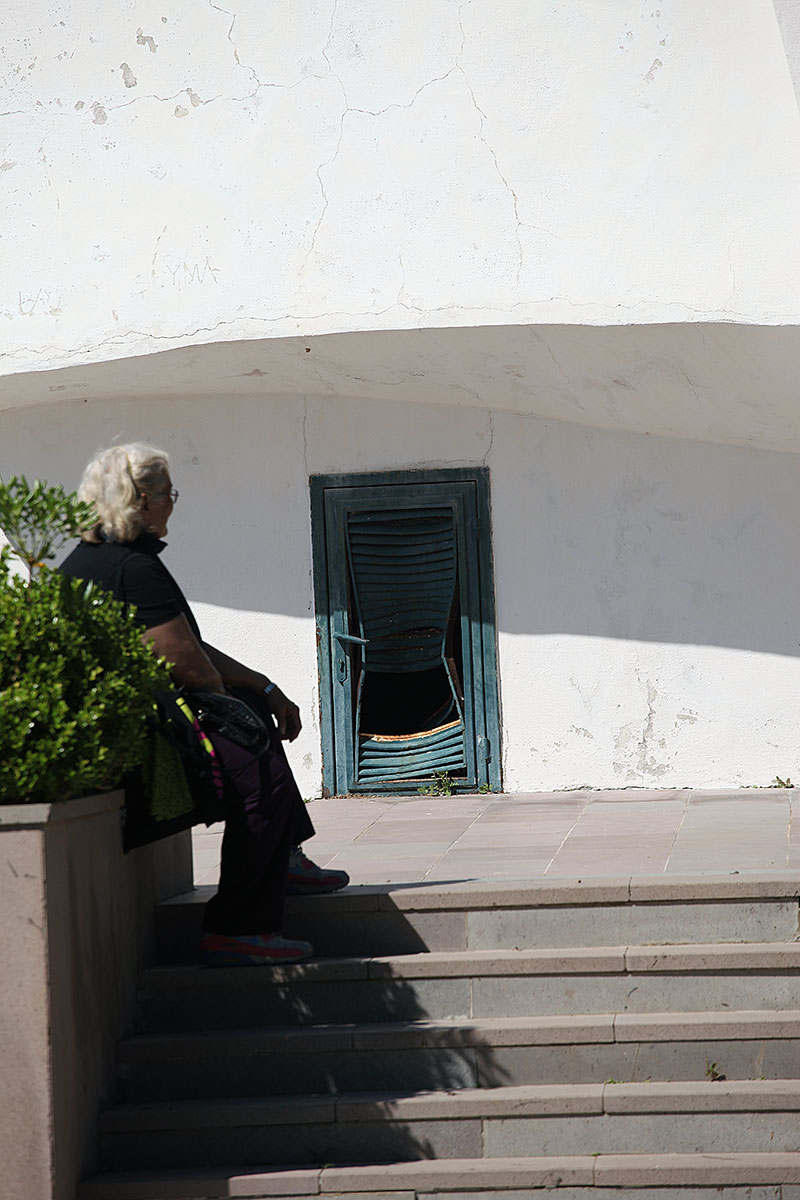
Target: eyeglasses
[173, 494]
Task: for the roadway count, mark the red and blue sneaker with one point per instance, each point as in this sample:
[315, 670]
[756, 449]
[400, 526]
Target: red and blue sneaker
[305, 878]
[251, 949]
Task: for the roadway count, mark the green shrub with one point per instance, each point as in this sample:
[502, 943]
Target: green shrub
[38, 518]
[76, 683]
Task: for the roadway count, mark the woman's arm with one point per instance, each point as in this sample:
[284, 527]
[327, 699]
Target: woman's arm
[284, 710]
[192, 666]
[233, 672]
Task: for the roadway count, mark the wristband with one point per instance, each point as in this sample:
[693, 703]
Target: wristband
[268, 688]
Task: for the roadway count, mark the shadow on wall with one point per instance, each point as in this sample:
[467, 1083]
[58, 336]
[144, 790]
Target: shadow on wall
[625, 536]
[598, 532]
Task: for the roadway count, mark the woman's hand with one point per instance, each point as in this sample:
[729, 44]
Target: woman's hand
[286, 713]
[237, 675]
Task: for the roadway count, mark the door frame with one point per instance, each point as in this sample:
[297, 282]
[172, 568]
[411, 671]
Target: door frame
[333, 772]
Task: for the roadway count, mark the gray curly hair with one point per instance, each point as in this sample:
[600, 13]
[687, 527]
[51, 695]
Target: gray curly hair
[114, 481]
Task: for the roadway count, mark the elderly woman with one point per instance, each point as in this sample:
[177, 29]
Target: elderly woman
[131, 490]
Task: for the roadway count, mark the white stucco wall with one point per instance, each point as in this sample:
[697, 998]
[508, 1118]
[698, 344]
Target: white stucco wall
[176, 172]
[646, 588]
[727, 383]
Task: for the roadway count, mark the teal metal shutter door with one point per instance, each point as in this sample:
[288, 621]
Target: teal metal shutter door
[403, 574]
[402, 634]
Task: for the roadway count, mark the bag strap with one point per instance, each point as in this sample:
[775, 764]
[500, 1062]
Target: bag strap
[193, 743]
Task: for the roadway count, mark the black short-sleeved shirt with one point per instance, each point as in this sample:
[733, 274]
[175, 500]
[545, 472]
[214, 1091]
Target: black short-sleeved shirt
[132, 572]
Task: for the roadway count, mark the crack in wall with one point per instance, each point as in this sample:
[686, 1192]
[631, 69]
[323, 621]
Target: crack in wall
[197, 101]
[556, 363]
[155, 253]
[701, 406]
[729, 254]
[326, 384]
[305, 445]
[184, 91]
[703, 314]
[409, 104]
[402, 288]
[348, 108]
[482, 118]
[121, 338]
[619, 538]
[338, 147]
[491, 438]
[239, 62]
[42, 157]
[401, 301]
[194, 98]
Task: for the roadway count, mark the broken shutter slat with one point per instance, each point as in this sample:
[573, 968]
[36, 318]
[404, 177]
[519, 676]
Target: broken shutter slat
[403, 578]
[403, 568]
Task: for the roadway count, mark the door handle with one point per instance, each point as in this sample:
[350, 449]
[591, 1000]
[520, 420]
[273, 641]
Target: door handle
[341, 661]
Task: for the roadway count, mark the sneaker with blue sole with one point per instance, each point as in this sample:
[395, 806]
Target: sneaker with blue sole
[251, 949]
[305, 878]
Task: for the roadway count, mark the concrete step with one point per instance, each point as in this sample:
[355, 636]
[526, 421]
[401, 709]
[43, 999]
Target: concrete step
[473, 984]
[735, 1176]
[754, 1116]
[396, 919]
[488, 1052]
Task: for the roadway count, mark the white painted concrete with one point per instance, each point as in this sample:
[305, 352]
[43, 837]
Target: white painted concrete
[176, 173]
[562, 240]
[646, 588]
[788, 15]
[718, 383]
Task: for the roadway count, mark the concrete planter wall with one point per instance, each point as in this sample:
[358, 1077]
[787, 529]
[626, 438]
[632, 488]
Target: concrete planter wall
[77, 922]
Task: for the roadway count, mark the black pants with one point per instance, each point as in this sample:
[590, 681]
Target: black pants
[266, 817]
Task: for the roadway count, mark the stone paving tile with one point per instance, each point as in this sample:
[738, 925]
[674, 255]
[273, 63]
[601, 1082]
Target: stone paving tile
[742, 795]
[638, 795]
[441, 806]
[436, 832]
[511, 812]
[732, 817]
[613, 855]
[536, 825]
[727, 854]
[497, 854]
[760, 814]
[739, 862]
[526, 836]
[735, 833]
[622, 821]
[483, 839]
[610, 865]
[729, 849]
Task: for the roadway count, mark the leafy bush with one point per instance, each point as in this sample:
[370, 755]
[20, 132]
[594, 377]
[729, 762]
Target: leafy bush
[76, 683]
[37, 518]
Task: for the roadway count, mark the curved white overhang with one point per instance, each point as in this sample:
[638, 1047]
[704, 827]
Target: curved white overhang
[719, 383]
